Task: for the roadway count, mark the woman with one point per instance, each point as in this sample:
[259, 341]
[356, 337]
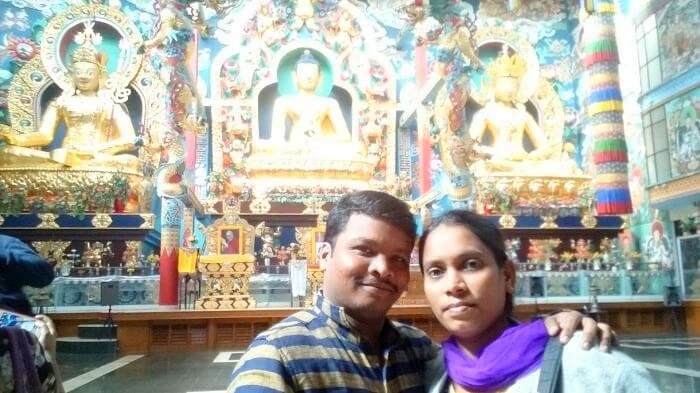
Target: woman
[27, 343]
[469, 284]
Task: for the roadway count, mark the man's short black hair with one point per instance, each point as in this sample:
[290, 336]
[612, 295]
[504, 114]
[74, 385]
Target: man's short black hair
[375, 204]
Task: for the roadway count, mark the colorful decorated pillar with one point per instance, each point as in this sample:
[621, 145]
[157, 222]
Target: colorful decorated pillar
[421, 68]
[187, 227]
[170, 219]
[604, 110]
[201, 166]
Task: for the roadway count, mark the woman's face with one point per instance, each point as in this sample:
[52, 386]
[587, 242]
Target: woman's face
[463, 284]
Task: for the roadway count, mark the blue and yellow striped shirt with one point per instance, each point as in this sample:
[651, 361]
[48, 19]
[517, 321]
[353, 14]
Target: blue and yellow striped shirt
[316, 351]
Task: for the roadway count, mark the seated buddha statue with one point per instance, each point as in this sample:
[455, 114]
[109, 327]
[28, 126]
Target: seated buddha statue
[305, 116]
[508, 122]
[98, 131]
[310, 146]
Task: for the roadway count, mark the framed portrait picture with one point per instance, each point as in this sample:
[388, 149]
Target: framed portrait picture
[230, 241]
[318, 236]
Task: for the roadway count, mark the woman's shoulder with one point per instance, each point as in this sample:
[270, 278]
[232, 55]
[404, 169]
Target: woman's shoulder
[434, 375]
[612, 371]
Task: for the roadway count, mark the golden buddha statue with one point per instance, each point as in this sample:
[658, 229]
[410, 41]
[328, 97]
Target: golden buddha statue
[99, 132]
[508, 122]
[310, 117]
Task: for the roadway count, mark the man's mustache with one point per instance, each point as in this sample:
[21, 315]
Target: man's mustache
[381, 284]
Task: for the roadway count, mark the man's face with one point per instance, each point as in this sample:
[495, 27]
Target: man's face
[229, 235]
[368, 267]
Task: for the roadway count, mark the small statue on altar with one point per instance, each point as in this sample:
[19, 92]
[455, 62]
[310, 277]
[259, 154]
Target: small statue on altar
[267, 253]
[310, 117]
[535, 254]
[98, 131]
[605, 250]
[506, 120]
[582, 251]
[270, 237]
[235, 146]
[296, 251]
[94, 253]
[130, 257]
[512, 248]
[153, 261]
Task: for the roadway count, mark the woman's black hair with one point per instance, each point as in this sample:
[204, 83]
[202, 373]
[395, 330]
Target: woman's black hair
[482, 228]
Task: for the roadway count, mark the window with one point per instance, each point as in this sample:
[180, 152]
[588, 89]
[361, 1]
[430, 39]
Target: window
[648, 54]
[658, 162]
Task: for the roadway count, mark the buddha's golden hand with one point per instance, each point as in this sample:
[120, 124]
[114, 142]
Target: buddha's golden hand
[6, 135]
[519, 156]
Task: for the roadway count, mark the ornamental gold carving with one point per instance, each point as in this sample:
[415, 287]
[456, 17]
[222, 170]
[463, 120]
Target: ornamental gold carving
[51, 249]
[48, 221]
[101, 221]
[149, 221]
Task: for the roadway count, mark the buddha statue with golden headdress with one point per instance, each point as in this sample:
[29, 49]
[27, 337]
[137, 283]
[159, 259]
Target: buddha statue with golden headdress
[507, 121]
[306, 116]
[98, 131]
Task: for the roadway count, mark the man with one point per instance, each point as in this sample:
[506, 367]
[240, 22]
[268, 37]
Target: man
[20, 266]
[345, 341]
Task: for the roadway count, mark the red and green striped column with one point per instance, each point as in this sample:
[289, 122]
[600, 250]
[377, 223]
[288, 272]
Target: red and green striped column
[604, 111]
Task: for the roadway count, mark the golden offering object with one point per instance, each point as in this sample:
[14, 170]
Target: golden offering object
[507, 221]
[51, 249]
[226, 279]
[549, 221]
[101, 221]
[589, 221]
[229, 262]
[130, 257]
[48, 221]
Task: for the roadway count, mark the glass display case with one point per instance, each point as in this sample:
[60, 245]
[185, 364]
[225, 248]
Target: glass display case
[689, 254]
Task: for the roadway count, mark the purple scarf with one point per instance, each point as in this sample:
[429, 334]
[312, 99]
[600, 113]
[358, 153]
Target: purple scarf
[515, 353]
[22, 346]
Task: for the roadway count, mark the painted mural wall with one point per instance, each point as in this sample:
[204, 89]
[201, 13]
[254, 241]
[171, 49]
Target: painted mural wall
[640, 220]
[678, 24]
[645, 220]
[683, 124]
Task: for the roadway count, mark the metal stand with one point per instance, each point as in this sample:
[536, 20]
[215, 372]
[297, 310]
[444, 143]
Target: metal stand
[109, 323]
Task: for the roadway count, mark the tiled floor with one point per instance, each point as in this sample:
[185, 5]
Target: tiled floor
[674, 362]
